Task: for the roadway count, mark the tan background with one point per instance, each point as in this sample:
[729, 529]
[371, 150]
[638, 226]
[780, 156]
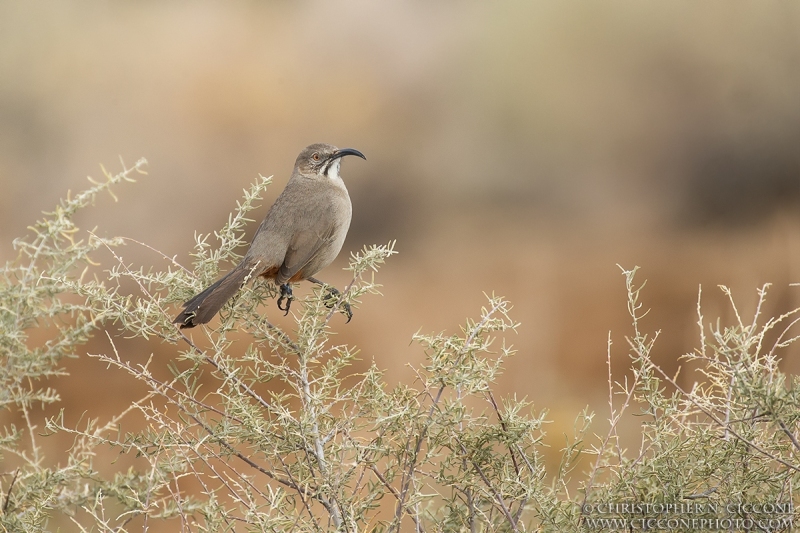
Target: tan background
[524, 148]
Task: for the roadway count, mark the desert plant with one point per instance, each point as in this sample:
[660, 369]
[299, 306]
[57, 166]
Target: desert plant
[259, 428]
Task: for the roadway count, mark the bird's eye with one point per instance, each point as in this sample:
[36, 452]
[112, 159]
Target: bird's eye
[315, 157]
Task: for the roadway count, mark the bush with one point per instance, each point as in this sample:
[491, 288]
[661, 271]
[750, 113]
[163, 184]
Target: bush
[286, 436]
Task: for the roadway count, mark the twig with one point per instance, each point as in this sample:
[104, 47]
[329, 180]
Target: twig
[394, 492]
[790, 434]
[505, 429]
[300, 493]
[333, 507]
[253, 464]
[225, 373]
[409, 473]
[8, 492]
[162, 254]
[722, 424]
[615, 418]
[155, 383]
[491, 488]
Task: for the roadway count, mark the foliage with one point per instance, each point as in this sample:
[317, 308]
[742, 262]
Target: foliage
[262, 429]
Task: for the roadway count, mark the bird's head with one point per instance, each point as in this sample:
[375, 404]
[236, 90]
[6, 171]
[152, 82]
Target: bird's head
[323, 160]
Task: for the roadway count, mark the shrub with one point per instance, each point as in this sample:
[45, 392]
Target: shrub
[263, 429]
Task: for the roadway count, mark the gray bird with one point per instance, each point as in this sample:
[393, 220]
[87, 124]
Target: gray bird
[301, 234]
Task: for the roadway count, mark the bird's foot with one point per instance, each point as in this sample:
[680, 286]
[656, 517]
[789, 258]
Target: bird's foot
[332, 297]
[286, 294]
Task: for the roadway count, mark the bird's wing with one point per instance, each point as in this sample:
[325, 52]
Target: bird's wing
[305, 245]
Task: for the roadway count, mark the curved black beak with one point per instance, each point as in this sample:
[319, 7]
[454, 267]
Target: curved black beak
[347, 151]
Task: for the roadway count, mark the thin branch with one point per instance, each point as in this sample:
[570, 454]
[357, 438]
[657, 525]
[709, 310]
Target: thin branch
[494, 492]
[790, 434]
[253, 464]
[307, 507]
[225, 373]
[162, 254]
[505, 430]
[615, 418]
[722, 424]
[408, 473]
[394, 492]
[318, 450]
[8, 492]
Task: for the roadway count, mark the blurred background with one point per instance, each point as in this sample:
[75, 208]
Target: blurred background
[521, 148]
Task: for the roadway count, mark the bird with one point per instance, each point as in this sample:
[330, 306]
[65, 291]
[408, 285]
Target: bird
[301, 234]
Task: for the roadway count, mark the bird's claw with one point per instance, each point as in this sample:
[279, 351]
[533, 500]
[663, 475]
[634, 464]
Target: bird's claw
[286, 294]
[332, 297]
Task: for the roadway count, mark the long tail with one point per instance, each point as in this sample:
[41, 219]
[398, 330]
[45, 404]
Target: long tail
[203, 307]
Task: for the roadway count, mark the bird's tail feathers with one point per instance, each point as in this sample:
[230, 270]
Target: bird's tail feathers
[202, 308]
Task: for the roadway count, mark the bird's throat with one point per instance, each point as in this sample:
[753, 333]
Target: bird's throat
[332, 170]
